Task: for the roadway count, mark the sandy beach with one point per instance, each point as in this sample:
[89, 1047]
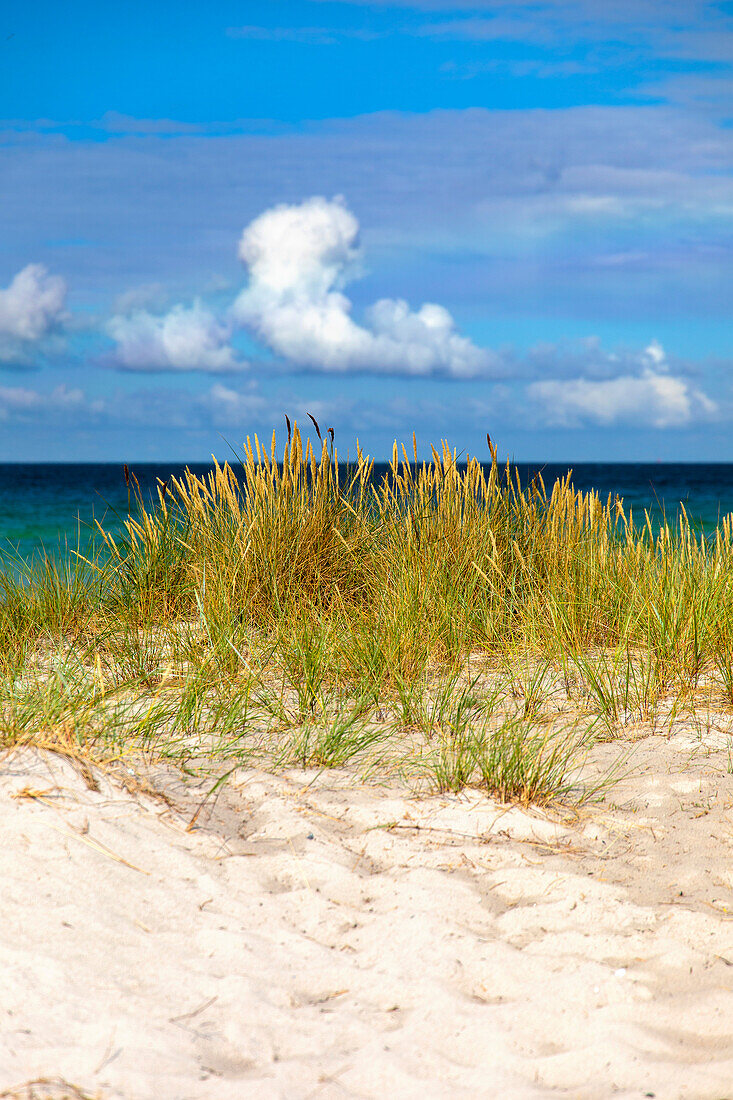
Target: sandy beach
[311, 936]
[366, 550]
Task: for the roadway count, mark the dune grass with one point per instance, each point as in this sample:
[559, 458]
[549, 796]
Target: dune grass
[447, 623]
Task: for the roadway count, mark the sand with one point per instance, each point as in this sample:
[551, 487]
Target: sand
[311, 936]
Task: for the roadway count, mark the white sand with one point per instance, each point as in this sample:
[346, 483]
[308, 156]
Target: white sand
[292, 946]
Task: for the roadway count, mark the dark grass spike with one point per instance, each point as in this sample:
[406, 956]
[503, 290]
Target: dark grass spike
[290, 431]
[331, 433]
[492, 447]
[315, 425]
[126, 472]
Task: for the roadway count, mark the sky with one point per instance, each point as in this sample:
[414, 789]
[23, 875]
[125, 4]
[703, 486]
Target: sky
[450, 217]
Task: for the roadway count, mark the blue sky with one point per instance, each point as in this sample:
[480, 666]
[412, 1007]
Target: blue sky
[452, 217]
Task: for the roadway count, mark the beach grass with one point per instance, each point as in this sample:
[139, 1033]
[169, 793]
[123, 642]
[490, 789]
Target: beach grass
[446, 623]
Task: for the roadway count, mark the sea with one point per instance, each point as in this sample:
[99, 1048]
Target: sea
[48, 509]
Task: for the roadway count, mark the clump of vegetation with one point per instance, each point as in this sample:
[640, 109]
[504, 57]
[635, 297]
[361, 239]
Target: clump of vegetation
[446, 617]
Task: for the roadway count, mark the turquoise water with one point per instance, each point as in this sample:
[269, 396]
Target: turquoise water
[45, 507]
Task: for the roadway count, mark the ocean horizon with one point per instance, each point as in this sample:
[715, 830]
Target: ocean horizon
[49, 507]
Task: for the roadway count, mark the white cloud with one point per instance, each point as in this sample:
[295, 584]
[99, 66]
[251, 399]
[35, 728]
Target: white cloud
[227, 407]
[184, 339]
[651, 397]
[229, 412]
[31, 308]
[299, 258]
[17, 402]
[148, 296]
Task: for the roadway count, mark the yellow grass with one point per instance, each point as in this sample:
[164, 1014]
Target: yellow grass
[448, 616]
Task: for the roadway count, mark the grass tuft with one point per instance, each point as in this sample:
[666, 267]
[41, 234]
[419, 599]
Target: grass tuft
[301, 611]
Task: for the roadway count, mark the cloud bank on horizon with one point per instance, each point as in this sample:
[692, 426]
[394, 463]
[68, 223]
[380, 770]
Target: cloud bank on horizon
[536, 234]
[653, 397]
[297, 256]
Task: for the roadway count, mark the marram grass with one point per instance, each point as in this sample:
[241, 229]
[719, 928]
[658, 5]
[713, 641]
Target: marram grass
[448, 623]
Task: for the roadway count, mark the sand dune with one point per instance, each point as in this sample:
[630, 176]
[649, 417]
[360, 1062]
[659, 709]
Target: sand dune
[314, 937]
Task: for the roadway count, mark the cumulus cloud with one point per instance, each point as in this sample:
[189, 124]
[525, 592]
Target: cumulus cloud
[31, 308]
[184, 339]
[652, 396]
[299, 259]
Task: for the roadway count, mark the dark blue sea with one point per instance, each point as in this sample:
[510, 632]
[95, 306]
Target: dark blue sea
[46, 507]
